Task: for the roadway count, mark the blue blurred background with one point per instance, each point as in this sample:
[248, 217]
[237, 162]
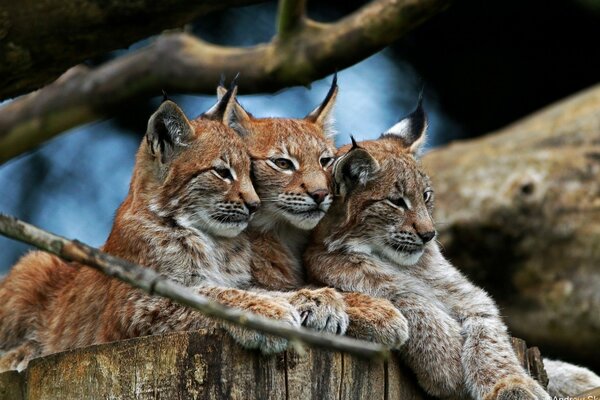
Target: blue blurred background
[483, 65]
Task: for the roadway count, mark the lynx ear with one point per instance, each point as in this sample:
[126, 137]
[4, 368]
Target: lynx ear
[322, 115]
[222, 108]
[353, 169]
[168, 131]
[411, 130]
[235, 116]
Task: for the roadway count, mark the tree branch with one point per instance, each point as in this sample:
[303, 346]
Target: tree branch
[76, 30]
[151, 282]
[179, 62]
[290, 16]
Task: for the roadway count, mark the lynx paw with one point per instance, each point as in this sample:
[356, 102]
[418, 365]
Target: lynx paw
[321, 309]
[518, 388]
[376, 320]
[267, 344]
[19, 357]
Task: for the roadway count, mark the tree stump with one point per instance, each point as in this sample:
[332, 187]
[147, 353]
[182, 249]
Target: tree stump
[205, 365]
[519, 211]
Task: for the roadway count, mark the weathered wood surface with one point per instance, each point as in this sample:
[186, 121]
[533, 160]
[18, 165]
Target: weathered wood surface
[531, 360]
[519, 212]
[201, 365]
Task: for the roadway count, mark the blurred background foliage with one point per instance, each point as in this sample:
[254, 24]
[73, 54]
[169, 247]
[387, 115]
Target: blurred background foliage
[483, 64]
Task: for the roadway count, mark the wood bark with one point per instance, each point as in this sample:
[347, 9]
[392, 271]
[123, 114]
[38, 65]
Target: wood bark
[531, 360]
[205, 365]
[39, 40]
[519, 211]
[183, 63]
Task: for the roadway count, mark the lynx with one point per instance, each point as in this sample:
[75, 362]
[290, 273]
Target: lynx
[291, 162]
[378, 239]
[190, 198]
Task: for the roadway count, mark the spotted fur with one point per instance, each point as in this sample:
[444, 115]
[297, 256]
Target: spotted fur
[378, 239]
[295, 196]
[190, 197]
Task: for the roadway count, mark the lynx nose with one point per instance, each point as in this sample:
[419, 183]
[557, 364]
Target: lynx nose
[253, 206]
[319, 195]
[426, 236]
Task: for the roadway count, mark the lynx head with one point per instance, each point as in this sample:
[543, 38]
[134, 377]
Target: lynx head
[290, 161]
[196, 173]
[385, 199]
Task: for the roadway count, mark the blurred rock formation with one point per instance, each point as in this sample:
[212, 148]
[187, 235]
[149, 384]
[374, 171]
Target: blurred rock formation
[519, 211]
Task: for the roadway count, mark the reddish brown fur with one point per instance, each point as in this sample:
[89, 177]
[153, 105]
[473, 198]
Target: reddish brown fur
[275, 241]
[278, 239]
[378, 239]
[55, 306]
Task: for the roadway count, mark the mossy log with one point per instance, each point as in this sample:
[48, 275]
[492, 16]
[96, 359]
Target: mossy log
[205, 365]
[519, 211]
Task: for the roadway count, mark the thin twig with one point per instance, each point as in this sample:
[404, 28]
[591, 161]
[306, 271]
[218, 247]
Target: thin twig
[151, 282]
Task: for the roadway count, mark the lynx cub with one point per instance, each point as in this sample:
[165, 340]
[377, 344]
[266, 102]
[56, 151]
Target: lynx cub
[291, 170]
[378, 239]
[190, 198]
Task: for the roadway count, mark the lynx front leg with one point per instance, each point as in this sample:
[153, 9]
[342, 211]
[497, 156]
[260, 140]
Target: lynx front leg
[433, 349]
[256, 303]
[491, 367]
[147, 315]
[376, 320]
[321, 309]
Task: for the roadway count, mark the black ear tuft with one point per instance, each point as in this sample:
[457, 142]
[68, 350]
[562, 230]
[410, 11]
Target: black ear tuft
[354, 144]
[355, 168]
[168, 131]
[410, 130]
[234, 81]
[322, 115]
[165, 96]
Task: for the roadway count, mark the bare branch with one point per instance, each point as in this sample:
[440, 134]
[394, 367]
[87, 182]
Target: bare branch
[290, 17]
[179, 62]
[76, 30]
[151, 282]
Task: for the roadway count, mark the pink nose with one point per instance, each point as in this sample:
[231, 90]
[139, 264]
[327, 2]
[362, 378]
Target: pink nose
[319, 195]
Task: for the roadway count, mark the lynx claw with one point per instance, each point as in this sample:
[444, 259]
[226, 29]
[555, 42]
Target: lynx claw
[322, 310]
[267, 344]
[376, 320]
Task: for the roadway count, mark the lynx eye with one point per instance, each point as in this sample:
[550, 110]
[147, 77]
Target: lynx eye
[223, 173]
[398, 202]
[427, 195]
[326, 161]
[283, 163]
